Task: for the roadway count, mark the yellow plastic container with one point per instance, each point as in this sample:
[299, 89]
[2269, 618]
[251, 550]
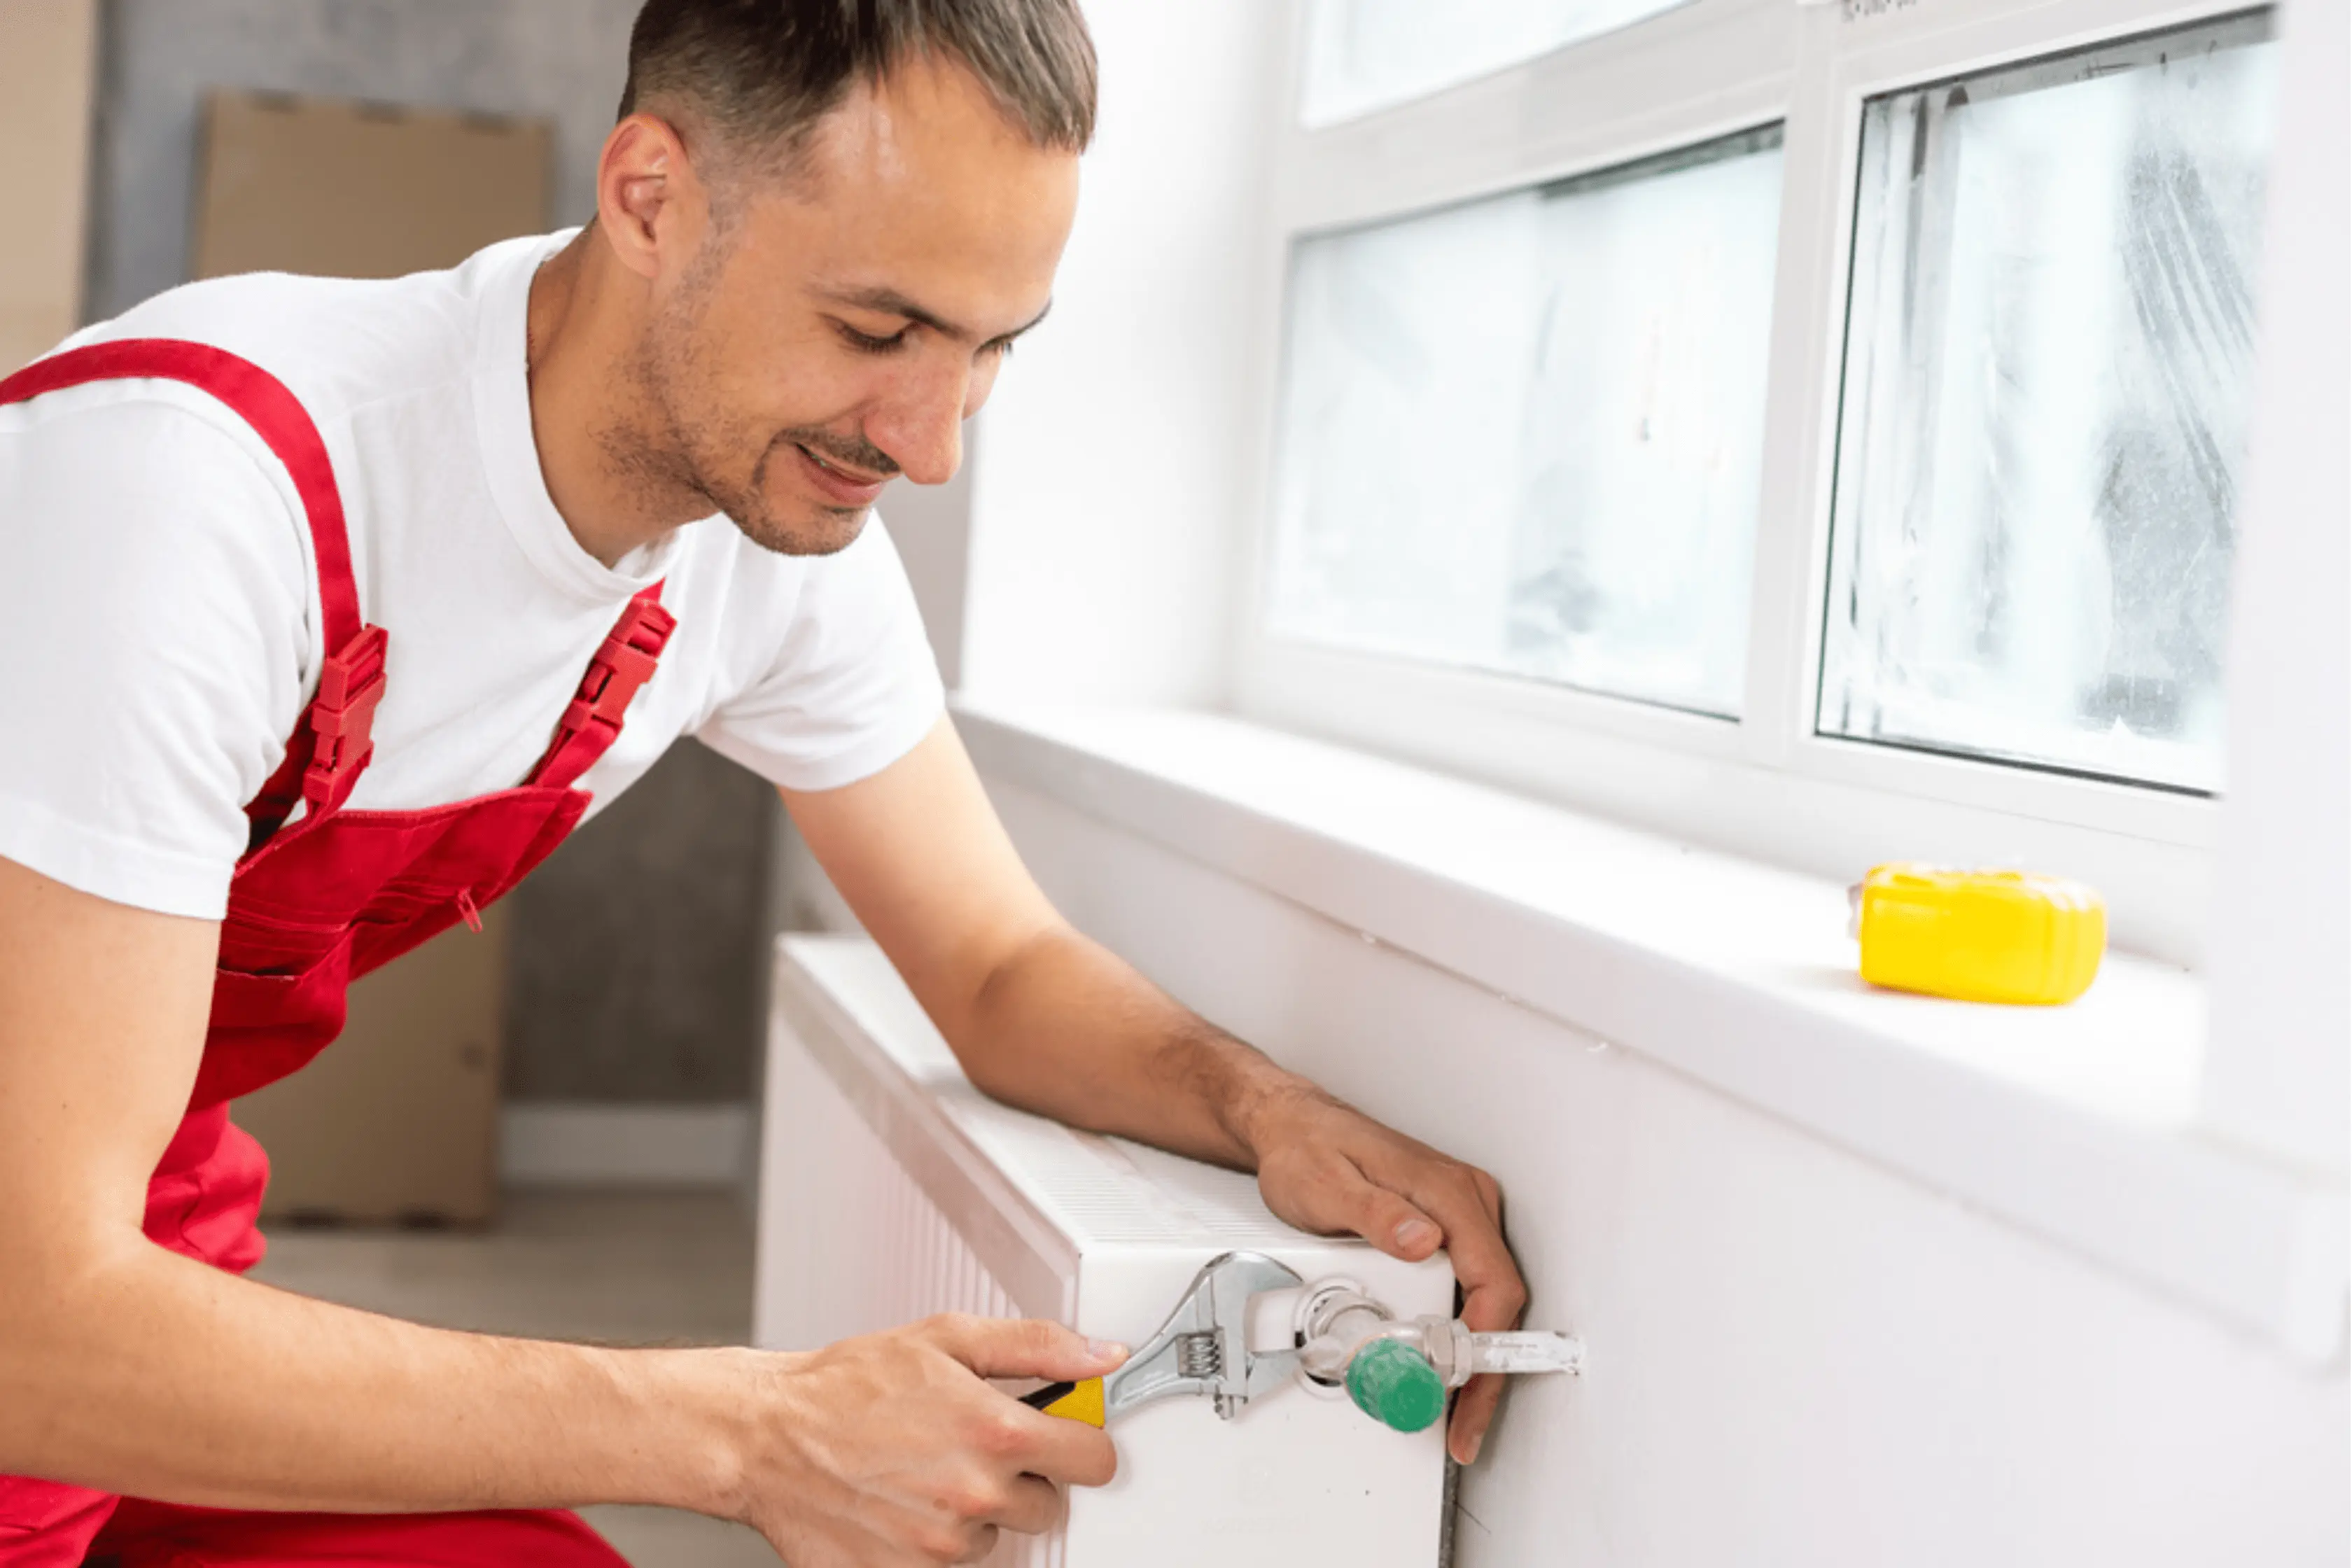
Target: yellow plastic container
[1979, 936]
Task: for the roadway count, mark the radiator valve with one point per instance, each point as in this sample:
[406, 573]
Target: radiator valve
[1399, 1373]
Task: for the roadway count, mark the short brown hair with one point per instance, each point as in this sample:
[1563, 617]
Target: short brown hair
[761, 73]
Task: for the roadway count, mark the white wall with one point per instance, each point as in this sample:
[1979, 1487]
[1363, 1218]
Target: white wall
[931, 526]
[1796, 1357]
[1110, 467]
[2283, 994]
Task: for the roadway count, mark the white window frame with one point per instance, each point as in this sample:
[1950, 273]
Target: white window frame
[1766, 785]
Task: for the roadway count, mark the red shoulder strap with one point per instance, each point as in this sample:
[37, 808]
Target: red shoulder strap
[622, 664]
[326, 752]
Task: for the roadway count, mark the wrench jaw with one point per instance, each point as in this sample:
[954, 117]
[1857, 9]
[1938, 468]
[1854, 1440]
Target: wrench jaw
[1203, 1347]
[1237, 1277]
[1268, 1370]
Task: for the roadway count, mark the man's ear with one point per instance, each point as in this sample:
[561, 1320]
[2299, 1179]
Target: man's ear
[651, 207]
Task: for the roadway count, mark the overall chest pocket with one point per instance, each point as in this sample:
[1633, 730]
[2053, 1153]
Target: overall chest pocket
[278, 1001]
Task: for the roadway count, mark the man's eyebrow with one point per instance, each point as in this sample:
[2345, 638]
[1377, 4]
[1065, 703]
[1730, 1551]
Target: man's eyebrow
[890, 302]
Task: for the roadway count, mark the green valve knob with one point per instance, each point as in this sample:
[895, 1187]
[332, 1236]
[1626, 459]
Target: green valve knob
[1394, 1384]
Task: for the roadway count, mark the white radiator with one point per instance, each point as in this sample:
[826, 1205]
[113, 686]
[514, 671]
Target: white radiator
[890, 1189]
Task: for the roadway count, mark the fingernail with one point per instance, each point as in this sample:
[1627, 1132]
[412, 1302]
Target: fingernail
[1415, 1233]
[1105, 1349]
[1476, 1443]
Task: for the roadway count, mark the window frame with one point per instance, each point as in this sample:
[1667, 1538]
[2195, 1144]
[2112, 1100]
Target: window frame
[1768, 783]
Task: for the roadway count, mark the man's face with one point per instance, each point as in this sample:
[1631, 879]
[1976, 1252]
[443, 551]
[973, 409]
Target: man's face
[839, 323]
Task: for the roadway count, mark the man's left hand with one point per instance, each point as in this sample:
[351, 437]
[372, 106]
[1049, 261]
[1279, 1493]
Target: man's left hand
[1326, 1167]
[1043, 1018]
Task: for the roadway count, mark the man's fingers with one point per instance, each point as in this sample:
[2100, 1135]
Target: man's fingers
[1474, 1411]
[1061, 1451]
[1490, 1196]
[1468, 1204]
[1494, 1295]
[1054, 1448]
[1031, 1506]
[1021, 1347]
[1331, 1168]
[1394, 1224]
[1335, 1197]
[1413, 1211]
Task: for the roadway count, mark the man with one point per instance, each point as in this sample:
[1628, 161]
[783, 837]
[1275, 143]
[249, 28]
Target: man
[395, 523]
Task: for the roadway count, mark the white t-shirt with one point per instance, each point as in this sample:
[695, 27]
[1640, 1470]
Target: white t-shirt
[159, 619]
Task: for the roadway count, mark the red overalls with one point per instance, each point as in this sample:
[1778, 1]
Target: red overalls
[313, 906]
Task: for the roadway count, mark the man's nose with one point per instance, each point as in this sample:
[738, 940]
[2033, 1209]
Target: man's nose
[921, 425]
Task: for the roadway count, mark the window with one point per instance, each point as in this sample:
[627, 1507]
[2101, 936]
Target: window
[2049, 348]
[1523, 434]
[1812, 430]
[1364, 54]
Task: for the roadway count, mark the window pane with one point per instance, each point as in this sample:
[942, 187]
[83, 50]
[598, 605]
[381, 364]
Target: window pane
[1524, 435]
[1363, 54]
[2048, 352]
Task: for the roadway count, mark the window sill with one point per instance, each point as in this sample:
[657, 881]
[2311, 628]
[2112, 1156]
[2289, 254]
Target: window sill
[2079, 1124]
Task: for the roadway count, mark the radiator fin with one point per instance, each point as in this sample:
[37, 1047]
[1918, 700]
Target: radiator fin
[842, 1195]
[845, 1194]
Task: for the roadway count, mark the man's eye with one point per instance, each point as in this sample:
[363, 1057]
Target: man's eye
[867, 343]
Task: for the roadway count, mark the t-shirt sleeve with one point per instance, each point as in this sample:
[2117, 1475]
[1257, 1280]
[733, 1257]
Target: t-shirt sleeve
[854, 685]
[153, 644]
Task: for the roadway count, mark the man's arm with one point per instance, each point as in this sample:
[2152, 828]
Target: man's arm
[1043, 1018]
[128, 1368]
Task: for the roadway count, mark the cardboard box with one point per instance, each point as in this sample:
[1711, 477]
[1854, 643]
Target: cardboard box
[398, 1120]
[49, 63]
[361, 190]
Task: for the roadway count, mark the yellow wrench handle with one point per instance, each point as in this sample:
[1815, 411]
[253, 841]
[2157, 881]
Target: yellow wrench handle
[1074, 1401]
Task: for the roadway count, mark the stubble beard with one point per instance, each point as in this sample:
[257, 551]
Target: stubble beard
[678, 442]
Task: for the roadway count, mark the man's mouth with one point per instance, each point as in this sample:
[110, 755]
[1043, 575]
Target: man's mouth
[844, 486]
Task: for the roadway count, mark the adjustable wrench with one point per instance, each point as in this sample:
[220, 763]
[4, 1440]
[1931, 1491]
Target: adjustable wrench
[1203, 1349]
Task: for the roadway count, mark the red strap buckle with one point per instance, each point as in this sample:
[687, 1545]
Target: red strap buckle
[350, 684]
[627, 661]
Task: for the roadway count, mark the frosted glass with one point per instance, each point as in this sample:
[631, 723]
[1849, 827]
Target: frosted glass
[2049, 348]
[1363, 54]
[1525, 435]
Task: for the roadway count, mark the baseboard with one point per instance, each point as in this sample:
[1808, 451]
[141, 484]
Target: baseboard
[563, 1143]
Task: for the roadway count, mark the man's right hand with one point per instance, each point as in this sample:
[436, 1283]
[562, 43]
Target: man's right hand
[128, 1368]
[890, 1449]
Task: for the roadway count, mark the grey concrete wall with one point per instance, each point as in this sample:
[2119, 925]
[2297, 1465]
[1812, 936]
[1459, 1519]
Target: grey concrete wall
[636, 951]
[564, 60]
[637, 960]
